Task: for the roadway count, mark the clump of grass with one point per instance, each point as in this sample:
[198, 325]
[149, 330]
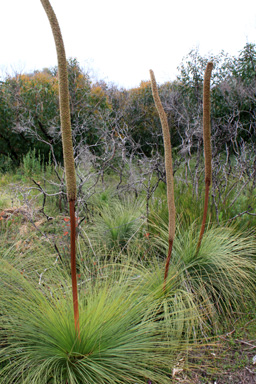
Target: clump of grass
[117, 224]
[221, 274]
[175, 302]
[123, 336]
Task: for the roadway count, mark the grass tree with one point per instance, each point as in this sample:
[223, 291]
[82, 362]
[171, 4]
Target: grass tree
[168, 168]
[124, 335]
[67, 144]
[221, 275]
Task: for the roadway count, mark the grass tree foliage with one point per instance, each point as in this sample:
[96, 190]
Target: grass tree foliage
[220, 274]
[127, 332]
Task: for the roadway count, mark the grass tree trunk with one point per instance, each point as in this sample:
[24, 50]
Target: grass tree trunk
[168, 169]
[207, 145]
[67, 144]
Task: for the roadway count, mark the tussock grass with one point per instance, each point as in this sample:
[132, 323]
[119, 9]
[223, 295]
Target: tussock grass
[124, 336]
[118, 223]
[222, 273]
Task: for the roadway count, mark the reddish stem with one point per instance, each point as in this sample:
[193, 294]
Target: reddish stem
[73, 263]
[167, 263]
[206, 199]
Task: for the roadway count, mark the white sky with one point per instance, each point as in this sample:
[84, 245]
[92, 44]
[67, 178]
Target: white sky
[120, 39]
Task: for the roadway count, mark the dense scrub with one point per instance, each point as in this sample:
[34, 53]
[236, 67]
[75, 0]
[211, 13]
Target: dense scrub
[104, 117]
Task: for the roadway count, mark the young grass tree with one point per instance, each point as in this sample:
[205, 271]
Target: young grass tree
[69, 162]
[207, 144]
[168, 169]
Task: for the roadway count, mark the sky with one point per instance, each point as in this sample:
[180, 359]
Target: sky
[118, 41]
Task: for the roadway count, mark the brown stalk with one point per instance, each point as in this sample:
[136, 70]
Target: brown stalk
[207, 145]
[168, 169]
[67, 144]
[73, 262]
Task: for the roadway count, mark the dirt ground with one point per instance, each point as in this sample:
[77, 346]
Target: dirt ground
[232, 362]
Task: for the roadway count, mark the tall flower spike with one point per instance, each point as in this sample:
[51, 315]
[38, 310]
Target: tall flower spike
[69, 162]
[168, 170]
[207, 144]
